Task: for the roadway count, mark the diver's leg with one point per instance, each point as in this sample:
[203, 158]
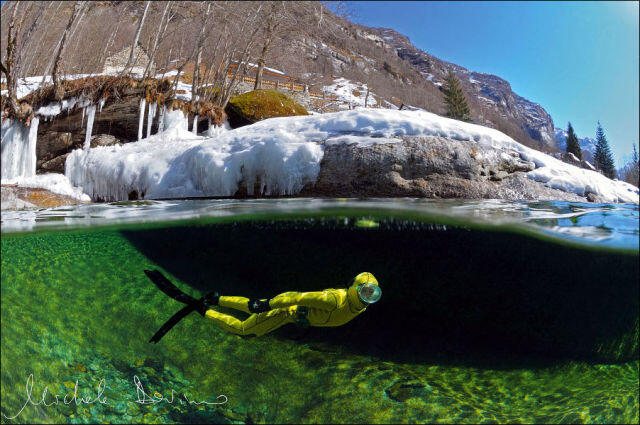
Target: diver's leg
[258, 324]
[236, 303]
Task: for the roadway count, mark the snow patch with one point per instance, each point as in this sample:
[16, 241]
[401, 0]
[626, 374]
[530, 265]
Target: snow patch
[53, 182]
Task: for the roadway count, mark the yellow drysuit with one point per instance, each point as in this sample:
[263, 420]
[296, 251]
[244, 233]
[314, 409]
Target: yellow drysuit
[331, 307]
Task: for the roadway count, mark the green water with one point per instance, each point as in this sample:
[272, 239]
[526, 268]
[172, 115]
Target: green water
[475, 324]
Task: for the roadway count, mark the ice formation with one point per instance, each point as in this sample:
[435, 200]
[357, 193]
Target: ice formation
[163, 111]
[87, 135]
[18, 157]
[194, 128]
[151, 115]
[281, 155]
[143, 102]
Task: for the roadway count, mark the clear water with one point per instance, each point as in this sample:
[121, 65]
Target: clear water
[492, 311]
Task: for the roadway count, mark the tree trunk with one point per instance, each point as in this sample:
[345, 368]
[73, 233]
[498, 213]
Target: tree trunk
[196, 69]
[135, 39]
[261, 62]
[57, 88]
[9, 70]
[103, 56]
[159, 34]
[37, 49]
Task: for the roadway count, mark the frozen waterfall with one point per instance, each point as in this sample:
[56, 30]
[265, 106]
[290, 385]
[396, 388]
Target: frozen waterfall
[19, 148]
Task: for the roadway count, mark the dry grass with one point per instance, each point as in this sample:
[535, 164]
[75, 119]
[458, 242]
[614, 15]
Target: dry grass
[187, 72]
[111, 89]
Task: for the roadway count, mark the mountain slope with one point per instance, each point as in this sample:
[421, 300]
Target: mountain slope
[380, 59]
[490, 96]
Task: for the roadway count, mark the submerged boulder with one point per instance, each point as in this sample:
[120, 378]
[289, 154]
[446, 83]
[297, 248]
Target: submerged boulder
[257, 105]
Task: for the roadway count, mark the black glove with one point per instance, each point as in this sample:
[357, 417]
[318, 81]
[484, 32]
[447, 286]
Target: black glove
[258, 306]
[207, 302]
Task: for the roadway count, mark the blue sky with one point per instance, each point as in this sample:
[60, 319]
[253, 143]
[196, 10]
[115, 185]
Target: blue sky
[579, 60]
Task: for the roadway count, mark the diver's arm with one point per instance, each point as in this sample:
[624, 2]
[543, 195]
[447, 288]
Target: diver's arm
[325, 300]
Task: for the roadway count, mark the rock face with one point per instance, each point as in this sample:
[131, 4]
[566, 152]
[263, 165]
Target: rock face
[493, 102]
[431, 167]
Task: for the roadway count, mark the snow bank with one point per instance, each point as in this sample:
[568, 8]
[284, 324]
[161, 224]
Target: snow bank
[56, 183]
[284, 154]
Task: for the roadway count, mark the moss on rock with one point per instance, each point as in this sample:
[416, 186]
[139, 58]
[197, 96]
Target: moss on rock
[257, 105]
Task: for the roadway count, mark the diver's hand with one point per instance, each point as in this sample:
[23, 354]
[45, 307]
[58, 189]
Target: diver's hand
[258, 306]
[208, 301]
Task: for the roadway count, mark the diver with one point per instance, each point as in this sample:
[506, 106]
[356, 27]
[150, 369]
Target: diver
[330, 307]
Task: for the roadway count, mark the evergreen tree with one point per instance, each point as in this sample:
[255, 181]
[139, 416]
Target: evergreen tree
[632, 170]
[573, 146]
[603, 157]
[457, 106]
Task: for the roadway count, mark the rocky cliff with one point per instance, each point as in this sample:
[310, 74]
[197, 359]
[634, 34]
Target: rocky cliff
[491, 98]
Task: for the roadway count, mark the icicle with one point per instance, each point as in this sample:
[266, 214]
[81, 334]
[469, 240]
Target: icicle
[83, 112]
[150, 117]
[18, 148]
[143, 103]
[87, 135]
[101, 105]
[194, 130]
[161, 119]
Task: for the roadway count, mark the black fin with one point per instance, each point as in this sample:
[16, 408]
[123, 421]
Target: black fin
[167, 287]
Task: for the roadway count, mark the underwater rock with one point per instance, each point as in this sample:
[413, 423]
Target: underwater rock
[401, 391]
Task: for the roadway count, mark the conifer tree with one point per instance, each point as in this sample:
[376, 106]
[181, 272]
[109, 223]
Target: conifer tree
[457, 106]
[603, 157]
[573, 146]
[632, 170]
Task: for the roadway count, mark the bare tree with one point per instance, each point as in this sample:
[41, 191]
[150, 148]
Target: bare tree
[107, 45]
[8, 68]
[135, 39]
[159, 35]
[199, 45]
[36, 50]
[78, 9]
[277, 22]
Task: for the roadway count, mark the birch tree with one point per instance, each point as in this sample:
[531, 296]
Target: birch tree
[135, 40]
[78, 10]
[159, 35]
[277, 22]
[199, 45]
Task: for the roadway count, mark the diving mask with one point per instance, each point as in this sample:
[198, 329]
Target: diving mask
[369, 293]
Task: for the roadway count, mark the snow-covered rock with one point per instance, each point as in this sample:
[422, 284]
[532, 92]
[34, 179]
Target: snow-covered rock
[282, 156]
